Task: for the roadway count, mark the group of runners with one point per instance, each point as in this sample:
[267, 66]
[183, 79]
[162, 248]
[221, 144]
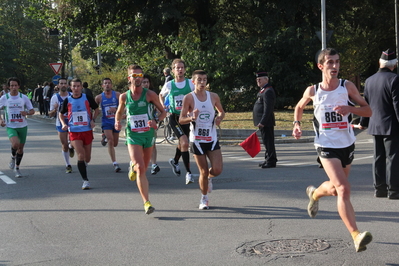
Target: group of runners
[194, 122]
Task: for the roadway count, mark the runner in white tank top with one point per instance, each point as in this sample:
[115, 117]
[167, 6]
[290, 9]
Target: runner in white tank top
[332, 130]
[201, 105]
[203, 130]
[334, 140]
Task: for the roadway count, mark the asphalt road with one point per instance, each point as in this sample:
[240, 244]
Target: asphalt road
[257, 216]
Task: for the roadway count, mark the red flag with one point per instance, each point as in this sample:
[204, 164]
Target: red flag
[251, 145]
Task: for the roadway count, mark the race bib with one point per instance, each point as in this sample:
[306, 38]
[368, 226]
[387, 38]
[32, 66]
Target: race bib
[16, 117]
[203, 133]
[109, 113]
[14, 113]
[331, 120]
[139, 123]
[178, 102]
[79, 119]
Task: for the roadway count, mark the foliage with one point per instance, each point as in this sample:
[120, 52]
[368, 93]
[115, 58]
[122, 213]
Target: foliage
[25, 47]
[229, 39]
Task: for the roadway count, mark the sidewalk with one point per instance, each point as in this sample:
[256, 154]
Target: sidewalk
[229, 136]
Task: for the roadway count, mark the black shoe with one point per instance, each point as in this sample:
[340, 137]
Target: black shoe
[381, 194]
[261, 164]
[268, 165]
[103, 140]
[393, 195]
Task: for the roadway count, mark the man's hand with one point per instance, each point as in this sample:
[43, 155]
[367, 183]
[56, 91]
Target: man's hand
[118, 125]
[297, 132]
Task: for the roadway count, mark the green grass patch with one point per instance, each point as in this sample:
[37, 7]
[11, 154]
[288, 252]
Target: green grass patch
[284, 118]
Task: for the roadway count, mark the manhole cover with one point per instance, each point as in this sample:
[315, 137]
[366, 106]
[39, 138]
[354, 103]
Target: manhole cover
[288, 246]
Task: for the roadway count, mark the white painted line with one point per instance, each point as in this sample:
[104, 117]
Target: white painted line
[7, 180]
[363, 158]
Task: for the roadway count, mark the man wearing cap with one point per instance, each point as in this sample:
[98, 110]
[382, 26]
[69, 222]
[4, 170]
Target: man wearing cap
[381, 92]
[263, 116]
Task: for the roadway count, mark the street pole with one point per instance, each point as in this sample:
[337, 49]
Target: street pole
[323, 25]
[70, 52]
[98, 55]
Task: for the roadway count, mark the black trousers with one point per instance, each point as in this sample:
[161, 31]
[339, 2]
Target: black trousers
[267, 134]
[386, 163]
[41, 107]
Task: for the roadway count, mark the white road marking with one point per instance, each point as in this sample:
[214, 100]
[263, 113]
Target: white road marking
[6, 179]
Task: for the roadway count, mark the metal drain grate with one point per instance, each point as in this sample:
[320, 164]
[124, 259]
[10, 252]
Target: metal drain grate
[288, 247]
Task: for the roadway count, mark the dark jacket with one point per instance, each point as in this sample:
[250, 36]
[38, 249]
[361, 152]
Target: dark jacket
[381, 92]
[263, 111]
[38, 94]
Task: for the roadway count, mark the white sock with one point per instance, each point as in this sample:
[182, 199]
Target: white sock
[65, 154]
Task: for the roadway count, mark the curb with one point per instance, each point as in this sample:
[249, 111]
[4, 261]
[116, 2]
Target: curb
[229, 136]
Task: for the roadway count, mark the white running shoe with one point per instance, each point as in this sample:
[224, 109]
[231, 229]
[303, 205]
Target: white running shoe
[86, 185]
[204, 203]
[12, 163]
[17, 173]
[189, 179]
[175, 167]
[210, 185]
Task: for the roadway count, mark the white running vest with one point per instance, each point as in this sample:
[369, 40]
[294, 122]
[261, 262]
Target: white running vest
[14, 106]
[332, 130]
[203, 130]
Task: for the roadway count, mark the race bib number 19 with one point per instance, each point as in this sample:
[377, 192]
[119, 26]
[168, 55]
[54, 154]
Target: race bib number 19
[80, 118]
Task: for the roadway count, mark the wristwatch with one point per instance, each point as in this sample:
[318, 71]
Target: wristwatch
[296, 122]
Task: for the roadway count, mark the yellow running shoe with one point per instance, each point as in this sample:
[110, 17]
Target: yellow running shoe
[361, 240]
[132, 174]
[148, 207]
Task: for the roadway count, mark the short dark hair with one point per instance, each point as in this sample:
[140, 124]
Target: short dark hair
[85, 84]
[134, 66]
[14, 79]
[76, 80]
[198, 72]
[104, 79]
[328, 51]
[62, 78]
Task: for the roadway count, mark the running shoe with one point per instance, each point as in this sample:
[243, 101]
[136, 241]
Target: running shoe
[155, 169]
[17, 173]
[71, 152]
[86, 185]
[361, 240]
[148, 207]
[68, 169]
[132, 174]
[204, 203]
[12, 163]
[117, 168]
[103, 140]
[189, 179]
[313, 206]
[175, 167]
[210, 185]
